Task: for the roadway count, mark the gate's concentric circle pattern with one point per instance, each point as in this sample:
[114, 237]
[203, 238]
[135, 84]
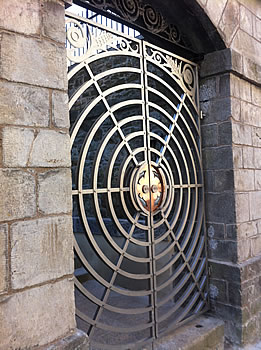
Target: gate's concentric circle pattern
[137, 189]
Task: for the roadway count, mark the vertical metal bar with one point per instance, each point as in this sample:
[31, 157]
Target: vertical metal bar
[151, 229]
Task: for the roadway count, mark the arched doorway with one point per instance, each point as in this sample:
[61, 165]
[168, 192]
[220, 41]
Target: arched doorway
[140, 241]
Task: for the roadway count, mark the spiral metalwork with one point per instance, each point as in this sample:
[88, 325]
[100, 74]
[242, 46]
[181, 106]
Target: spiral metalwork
[141, 266]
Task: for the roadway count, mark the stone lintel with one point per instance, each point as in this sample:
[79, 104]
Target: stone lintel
[230, 61]
[76, 341]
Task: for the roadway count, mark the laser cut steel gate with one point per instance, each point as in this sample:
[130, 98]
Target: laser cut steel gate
[141, 267]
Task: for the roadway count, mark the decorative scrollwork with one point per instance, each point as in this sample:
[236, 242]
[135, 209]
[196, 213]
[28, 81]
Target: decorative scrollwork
[153, 19]
[129, 9]
[144, 14]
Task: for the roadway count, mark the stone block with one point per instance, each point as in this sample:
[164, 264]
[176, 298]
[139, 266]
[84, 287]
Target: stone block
[224, 85]
[256, 245]
[41, 250]
[244, 180]
[246, 230]
[16, 146]
[230, 20]
[246, 20]
[248, 157]
[218, 290]
[252, 70]
[217, 110]
[235, 109]
[224, 271]
[250, 114]
[257, 156]
[21, 16]
[55, 192]
[50, 149]
[215, 10]
[53, 20]
[243, 250]
[225, 207]
[23, 105]
[209, 181]
[19, 199]
[256, 95]
[32, 61]
[3, 256]
[235, 86]
[258, 179]
[209, 135]
[234, 293]
[246, 45]
[225, 134]
[47, 314]
[60, 110]
[231, 232]
[78, 340]
[255, 205]
[257, 28]
[222, 250]
[223, 180]
[245, 90]
[222, 61]
[241, 134]
[256, 137]
[208, 89]
[215, 231]
[242, 207]
[218, 158]
[238, 157]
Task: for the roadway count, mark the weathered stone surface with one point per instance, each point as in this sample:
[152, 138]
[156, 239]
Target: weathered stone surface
[223, 180]
[78, 340]
[53, 20]
[222, 250]
[19, 199]
[238, 157]
[230, 20]
[257, 28]
[215, 10]
[245, 90]
[244, 180]
[243, 250]
[208, 89]
[235, 109]
[247, 230]
[242, 134]
[217, 110]
[21, 16]
[256, 95]
[17, 144]
[209, 135]
[218, 158]
[256, 245]
[246, 45]
[41, 250]
[257, 156]
[22, 58]
[250, 114]
[23, 105]
[255, 205]
[54, 192]
[225, 271]
[242, 207]
[3, 257]
[246, 20]
[50, 149]
[248, 157]
[225, 133]
[216, 231]
[49, 315]
[60, 109]
[226, 205]
[256, 137]
[258, 179]
[252, 70]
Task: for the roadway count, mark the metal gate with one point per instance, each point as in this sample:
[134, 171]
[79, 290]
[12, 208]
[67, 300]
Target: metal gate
[138, 210]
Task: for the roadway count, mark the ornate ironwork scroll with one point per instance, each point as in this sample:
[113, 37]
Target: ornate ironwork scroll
[141, 266]
[141, 13]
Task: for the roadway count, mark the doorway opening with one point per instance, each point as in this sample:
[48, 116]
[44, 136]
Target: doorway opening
[138, 200]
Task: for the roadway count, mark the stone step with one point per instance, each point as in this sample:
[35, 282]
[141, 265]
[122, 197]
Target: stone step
[203, 333]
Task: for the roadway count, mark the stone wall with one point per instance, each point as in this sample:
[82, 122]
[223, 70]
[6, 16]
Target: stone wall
[36, 255]
[231, 101]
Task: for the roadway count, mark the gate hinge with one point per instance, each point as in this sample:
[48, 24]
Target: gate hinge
[202, 115]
